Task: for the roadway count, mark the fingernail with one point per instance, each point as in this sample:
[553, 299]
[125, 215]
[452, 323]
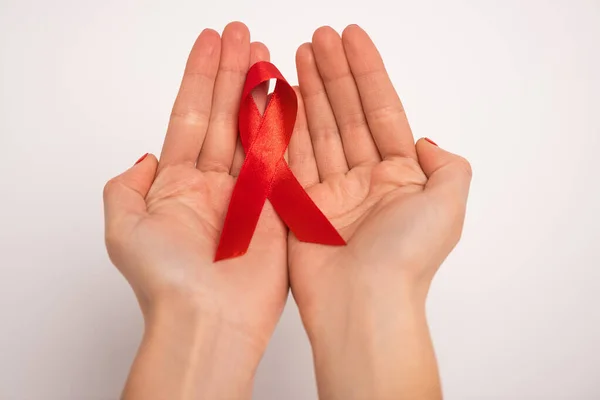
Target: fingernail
[431, 141]
[141, 159]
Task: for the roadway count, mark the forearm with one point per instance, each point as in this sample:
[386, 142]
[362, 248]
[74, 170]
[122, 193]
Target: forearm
[382, 352]
[186, 355]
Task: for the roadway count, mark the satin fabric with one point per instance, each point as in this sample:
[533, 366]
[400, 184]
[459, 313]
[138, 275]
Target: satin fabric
[265, 174]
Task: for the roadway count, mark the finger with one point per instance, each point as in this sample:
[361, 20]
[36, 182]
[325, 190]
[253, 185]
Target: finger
[344, 98]
[381, 104]
[124, 195]
[300, 152]
[326, 141]
[219, 145]
[258, 52]
[449, 175]
[189, 118]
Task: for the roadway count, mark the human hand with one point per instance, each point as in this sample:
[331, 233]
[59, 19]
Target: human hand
[163, 221]
[401, 208]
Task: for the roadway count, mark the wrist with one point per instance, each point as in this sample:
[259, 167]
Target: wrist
[187, 352]
[203, 316]
[365, 326]
[358, 304]
[379, 340]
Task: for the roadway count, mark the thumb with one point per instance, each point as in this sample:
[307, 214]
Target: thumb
[125, 194]
[448, 174]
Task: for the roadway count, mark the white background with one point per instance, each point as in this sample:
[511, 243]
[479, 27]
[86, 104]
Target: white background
[86, 88]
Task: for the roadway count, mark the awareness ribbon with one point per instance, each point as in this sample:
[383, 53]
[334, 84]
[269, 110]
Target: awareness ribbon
[265, 173]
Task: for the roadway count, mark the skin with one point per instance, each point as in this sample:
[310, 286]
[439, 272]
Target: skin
[163, 222]
[400, 206]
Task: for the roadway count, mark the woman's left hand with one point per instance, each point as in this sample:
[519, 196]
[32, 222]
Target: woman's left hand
[163, 221]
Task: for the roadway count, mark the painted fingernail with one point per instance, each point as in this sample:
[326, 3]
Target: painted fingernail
[431, 141]
[141, 159]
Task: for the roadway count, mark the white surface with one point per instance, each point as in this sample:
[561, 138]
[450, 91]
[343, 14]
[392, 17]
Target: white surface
[86, 87]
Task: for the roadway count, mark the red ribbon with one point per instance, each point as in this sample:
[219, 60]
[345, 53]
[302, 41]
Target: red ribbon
[265, 174]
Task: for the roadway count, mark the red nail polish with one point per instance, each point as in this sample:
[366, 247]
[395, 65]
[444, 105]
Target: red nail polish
[141, 159]
[431, 141]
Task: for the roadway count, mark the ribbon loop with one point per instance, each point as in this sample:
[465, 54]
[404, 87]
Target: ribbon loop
[265, 174]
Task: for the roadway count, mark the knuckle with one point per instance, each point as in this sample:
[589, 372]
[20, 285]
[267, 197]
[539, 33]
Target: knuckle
[309, 94]
[111, 239]
[465, 167]
[213, 165]
[204, 76]
[340, 76]
[115, 244]
[353, 123]
[371, 75]
[192, 117]
[385, 112]
[326, 132]
[304, 157]
[109, 188]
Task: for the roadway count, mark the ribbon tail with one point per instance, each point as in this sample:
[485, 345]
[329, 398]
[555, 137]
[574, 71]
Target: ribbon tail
[299, 212]
[247, 200]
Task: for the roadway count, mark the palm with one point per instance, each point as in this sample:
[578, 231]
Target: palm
[186, 208]
[170, 247]
[378, 207]
[358, 195]
[354, 152]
